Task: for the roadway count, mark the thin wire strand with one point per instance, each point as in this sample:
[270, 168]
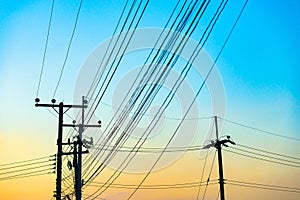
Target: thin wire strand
[269, 152]
[208, 179]
[68, 49]
[262, 159]
[260, 130]
[262, 184]
[45, 49]
[208, 74]
[265, 188]
[13, 163]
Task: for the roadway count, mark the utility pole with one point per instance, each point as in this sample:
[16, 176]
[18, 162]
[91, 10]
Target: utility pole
[220, 162]
[77, 162]
[59, 143]
[218, 145]
[82, 127]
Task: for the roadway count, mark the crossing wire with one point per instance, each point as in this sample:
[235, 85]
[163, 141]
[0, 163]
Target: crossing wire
[208, 179]
[145, 6]
[203, 169]
[138, 147]
[124, 111]
[106, 51]
[134, 147]
[206, 77]
[114, 60]
[158, 186]
[45, 49]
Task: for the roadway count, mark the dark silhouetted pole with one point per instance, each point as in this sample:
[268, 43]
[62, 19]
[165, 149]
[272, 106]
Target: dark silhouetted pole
[220, 162]
[59, 150]
[218, 144]
[78, 167]
[61, 112]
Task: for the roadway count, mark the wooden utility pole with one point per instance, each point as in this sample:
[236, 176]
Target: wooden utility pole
[77, 163]
[61, 112]
[218, 145]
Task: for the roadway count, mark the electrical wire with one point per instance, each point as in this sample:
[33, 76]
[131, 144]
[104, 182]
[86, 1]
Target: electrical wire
[263, 186]
[268, 152]
[27, 174]
[155, 187]
[198, 91]
[152, 149]
[25, 161]
[25, 165]
[208, 179]
[192, 102]
[266, 156]
[260, 130]
[128, 162]
[152, 51]
[45, 50]
[203, 169]
[127, 44]
[262, 159]
[68, 49]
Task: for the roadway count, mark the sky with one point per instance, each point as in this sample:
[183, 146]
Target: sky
[258, 70]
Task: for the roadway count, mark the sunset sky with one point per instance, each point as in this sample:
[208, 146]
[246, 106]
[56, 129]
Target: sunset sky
[259, 70]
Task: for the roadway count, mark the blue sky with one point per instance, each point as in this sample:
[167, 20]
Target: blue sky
[259, 66]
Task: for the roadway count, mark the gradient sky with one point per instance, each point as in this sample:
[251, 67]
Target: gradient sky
[259, 68]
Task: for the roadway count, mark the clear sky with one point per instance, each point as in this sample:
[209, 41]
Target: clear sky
[258, 67]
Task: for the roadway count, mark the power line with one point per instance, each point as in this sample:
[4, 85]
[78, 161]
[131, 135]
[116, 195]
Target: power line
[45, 49]
[208, 179]
[25, 169]
[260, 130]
[106, 51]
[203, 169]
[206, 77]
[144, 140]
[68, 49]
[28, 174]
[145, 6]
[151, 115]
[266, 156]
[263, 186]
[156, 187]
[149, 57]
[262, 159]
[152, 150]
[34, 159]
[25, 165]
[269, 152]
